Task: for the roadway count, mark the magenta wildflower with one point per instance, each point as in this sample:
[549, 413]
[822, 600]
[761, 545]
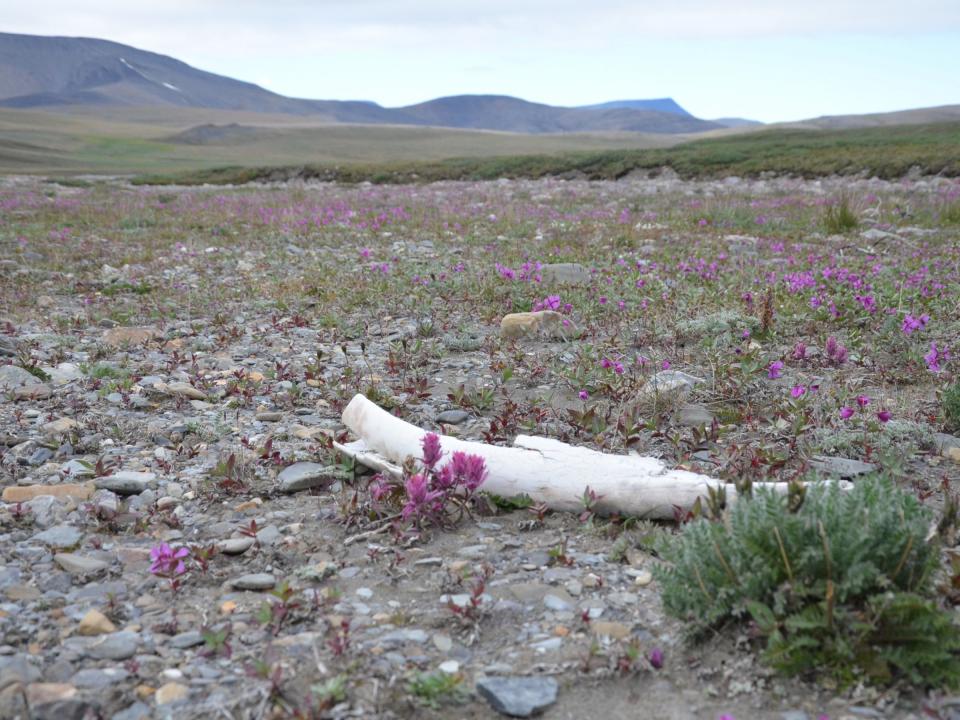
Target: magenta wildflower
[846, 412]
[665, 365]
[935, 357]
[468, 470]
[656, 658]
[863, 400]
[911, 323]
[798, 391]
[168, 562]
[583, 395]
[775, 370]
[884, 416]
[431, 450]
[799, 351]
[419, 496]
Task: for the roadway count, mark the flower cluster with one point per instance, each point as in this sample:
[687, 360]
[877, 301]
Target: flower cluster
[437, 491]
[911, 323]
[836, 353]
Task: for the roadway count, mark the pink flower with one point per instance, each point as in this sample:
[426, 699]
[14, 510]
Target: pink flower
[884, 416]
[863, 400]
[775, 370]
[934, 357]
[168, 562]
[583, 395]
[656, 658]
[468, 470]
[798, 391]
[665, 365]
[431, 449]
[799, 351]
[419, 496]
[846, 412]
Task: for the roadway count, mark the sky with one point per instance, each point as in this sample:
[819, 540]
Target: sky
[766, 60]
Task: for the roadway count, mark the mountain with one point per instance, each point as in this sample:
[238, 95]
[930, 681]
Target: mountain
[916, 116]
[66, 75]
[667, 105]
[736, 122]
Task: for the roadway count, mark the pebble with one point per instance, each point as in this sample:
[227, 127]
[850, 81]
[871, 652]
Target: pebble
[24, 493]
[453, 417]
[303, 476]
[518, 696]
[95, 623]
[59, 536]
[115, 646]
[254, 581]
[235, 546]
[80, 565]
[171, 692]
[126, 482]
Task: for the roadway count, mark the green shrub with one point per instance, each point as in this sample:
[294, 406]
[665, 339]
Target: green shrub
[840, 585]
[840, 218]
[951, 405]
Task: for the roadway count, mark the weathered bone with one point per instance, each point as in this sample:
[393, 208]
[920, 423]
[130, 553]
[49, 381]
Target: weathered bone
[547, 470]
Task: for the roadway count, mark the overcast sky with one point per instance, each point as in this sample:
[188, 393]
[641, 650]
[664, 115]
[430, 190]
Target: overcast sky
[760, 59]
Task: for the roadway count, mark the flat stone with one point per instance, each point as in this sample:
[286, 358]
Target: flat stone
[518, 696]
[269, 416]
[844, 467]
[544, 324]
[188, 639]
[115, 646]
[564, 274]
[944, 442]
[453, 417]
[553, 602]
[120, 336]
[235, 546]
[79, 565]
[39, 694]
[12, 377]
[32, 392]
[613, 630]
[95, 623]
[254, 581]
[97, 679]
[25, 493]
[59, 536]
[185, 390]
[136, 711]
[303, 476]
[126, 482]
[59, 427]
[694, 416]
[171, 692]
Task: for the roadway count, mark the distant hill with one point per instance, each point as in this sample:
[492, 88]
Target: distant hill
[667, 105]
[64, 74]
[917, 116]
[735, 122]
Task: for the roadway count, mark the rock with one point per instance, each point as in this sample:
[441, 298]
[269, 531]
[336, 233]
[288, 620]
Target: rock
[453, 417]
[613, 630]
[842, 467]
[183, 390]
[59, 536]
[694, 416]
[115, 646]
[126, 482]
[303, 476]
[944, 443]
[32, 392]
[8, 346]
[667, 387]
[25, 493]
[79, 565]
[564, 274]
[122, 336]
[12, 377]
[643, 578]
[95, 623]
[553, 602]
[58, 428]
[546, 324]
[254, 581]
[64, 373]
[518, 696]
[269, 416]
[188, 639]
[171, 692]
[136, 711]
[97, 679]
[235, 546]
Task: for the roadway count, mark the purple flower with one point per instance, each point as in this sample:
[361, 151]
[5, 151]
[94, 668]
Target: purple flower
[863, 400]
[846, 412]
[419, 496]
[775, 370]
[934, 357]
[431, 450]
[665, 365]
[798, 391]
[656, 658]
[583, 395]
[468, 470]
[168, 562]
[884, 416]
[799, 351]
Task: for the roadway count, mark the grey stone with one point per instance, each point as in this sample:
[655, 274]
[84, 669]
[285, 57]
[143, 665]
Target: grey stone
[794, 715]
[76, 469]
[405, 635]
[126, 482]
[843, 467]
[552, 602]
[115, 646]
[18, 668]
[564, 274]
[137, 711]
[694, 416]
[453, 417]
[518, 696]
[944, 442]
[79, 565]
[12, 377]
[97, 679]
[40, 456]
[303, 476]
[59, 536]
[188, 639]
[269, 535]
[235, 546]
[254, 581]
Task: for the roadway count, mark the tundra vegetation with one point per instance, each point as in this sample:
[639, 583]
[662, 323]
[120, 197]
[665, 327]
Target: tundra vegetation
[176, 360]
